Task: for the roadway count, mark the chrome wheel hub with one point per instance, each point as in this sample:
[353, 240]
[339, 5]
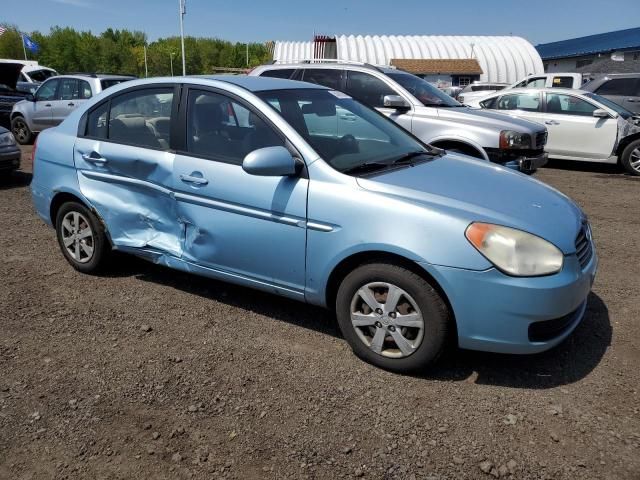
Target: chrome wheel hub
[387, 319]
[77, 237]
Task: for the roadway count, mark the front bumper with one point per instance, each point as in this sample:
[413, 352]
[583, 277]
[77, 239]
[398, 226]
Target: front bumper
[526, 161]
[498, 313]
[10, 158]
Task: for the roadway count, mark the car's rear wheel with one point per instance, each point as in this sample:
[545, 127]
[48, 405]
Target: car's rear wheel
[630, 158]
[392, 317]
[82, 238]
[21, 131]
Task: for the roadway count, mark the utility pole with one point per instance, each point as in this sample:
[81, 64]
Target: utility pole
[247, 54]
[171, 59]
[146, 69]
[183, 10]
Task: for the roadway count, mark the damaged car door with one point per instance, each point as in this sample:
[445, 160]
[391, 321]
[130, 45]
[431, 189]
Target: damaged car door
[125, 167]
[251, 227]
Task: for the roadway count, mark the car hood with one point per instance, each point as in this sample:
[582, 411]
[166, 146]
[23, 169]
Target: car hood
[466, 115]
[10, 73]
[474, 190]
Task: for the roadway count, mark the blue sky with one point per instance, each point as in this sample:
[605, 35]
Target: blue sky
[539, 21]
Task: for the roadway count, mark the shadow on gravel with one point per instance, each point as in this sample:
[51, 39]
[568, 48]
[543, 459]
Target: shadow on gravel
[15, 180]
[262, 303]
[606, 170]
[567, 363]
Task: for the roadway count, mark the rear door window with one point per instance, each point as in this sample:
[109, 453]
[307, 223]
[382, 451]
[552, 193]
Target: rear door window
[68, 89]
[367, 89]
[326, 77]
[528, 102]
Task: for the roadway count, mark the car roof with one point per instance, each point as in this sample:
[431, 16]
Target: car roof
[544, 89]
[257, 84]
[333, 65]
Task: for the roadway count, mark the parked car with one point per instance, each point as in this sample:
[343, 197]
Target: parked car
[581, 125]
[56, 98]
[32, 71]
[550, 80]
[9, 153]
[425, 111]
[299, 190]
[479, 90]
[621, 88]
[11, 90]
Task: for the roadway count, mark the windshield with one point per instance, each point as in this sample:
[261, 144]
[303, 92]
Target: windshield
[428, 95]
[623, 112]
[346, 134]
[41, 75]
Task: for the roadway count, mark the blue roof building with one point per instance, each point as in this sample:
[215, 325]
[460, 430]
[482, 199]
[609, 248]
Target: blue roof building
[577, 53]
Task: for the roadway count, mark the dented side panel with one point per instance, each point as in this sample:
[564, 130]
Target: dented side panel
[131, 191]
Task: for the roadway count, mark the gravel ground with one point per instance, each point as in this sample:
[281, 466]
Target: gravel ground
[151, 373]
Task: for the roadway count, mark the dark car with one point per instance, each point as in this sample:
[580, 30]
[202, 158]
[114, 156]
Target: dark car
[9, 152]
[621, 88]
[11, 91]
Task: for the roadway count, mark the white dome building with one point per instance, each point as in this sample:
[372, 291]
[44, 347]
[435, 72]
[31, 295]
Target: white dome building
[503, 59]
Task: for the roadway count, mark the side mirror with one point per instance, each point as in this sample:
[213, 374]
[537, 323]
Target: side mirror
[271, 162]
[30, 97]
[600, 113]
[395, 101]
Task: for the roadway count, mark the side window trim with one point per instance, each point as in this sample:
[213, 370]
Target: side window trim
[181, 128]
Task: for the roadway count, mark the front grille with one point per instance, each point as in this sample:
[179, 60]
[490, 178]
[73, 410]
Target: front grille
[550, 329]
[541, 139]
[584, 245]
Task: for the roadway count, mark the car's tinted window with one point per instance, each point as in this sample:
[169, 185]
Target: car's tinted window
[278, 73]
[97, 122]
[569, 105]
[529, 102]
[223, 129]
[47, 90]
[533, 83]
[620, 86]
[110, 82]
[323, 76]
[41, 75]
[488, 103]
[562, 82]
[142, 118]
[84, 89]
[368, 89]
[68, 89]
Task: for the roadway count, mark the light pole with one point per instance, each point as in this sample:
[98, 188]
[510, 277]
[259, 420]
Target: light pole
[171, 59]
[183, 10]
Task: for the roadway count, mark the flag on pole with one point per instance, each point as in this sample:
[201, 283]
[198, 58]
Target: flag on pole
[2, 30]
[30, 44]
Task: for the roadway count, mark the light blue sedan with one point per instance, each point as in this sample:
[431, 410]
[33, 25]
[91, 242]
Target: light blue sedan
[301, 191]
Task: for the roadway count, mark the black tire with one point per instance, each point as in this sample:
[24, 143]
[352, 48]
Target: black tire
[626, 159]
[21, 131]
[435, 315]
[101, 248]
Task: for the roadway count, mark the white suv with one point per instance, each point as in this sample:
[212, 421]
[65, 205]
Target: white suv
[431, 115]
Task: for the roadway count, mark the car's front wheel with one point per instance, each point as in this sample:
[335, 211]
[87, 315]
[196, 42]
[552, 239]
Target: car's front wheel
[82, 238]
[21, 131]
[630, 158]
[392, 317]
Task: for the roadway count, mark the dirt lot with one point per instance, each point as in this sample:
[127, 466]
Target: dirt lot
[150, 373]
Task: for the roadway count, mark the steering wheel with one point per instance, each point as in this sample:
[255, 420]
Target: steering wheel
[348, 144]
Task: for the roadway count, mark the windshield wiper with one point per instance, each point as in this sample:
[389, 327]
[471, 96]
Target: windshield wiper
[366, 167]
[407, 157]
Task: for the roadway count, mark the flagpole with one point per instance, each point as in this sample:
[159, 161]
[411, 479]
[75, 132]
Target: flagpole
[24, 49]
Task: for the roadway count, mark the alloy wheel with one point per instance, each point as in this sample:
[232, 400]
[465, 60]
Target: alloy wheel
[634, 159]
[20, 131]
[387, 319]
[77, 237]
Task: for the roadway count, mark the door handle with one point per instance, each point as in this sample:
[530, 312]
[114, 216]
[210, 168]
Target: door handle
[70, 104]
[551, 122]
[193, 180]
[47, 104]
[94, 158]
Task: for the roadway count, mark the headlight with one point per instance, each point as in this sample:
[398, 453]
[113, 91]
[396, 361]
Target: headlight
[7, 139]
[515, 252]
[513, 139]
